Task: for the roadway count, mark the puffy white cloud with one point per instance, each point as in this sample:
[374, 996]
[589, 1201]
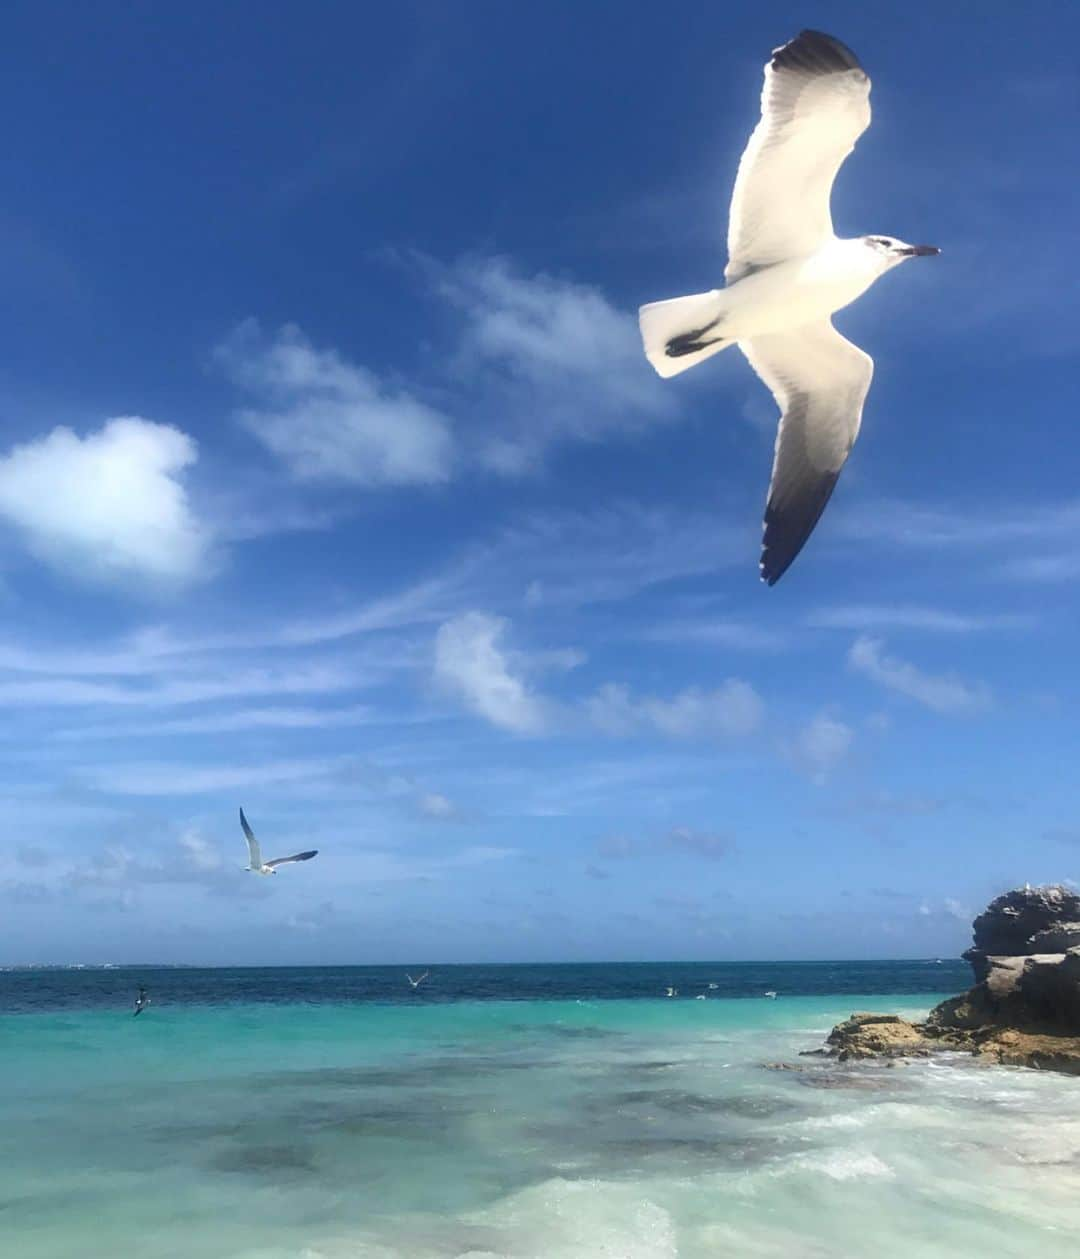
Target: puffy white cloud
[942, 694]
[821, 745]
[471, 664]
[110, 506]
[331, 420]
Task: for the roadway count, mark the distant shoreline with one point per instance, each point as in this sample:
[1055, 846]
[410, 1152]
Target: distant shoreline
[749, 961]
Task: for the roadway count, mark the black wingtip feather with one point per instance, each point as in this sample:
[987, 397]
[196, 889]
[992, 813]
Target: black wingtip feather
[814, 52]
[788, 528]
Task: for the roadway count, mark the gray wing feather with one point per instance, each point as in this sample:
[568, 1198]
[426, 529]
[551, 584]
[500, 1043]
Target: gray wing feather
[254, 854]
[820, 381]
[297, 856]
[815, 103]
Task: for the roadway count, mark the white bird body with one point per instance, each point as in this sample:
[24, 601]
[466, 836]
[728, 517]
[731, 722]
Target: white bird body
[779, 298]
[787, 274]
[256, 865]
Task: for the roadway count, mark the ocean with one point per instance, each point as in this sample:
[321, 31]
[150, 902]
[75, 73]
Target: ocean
[555, 1112]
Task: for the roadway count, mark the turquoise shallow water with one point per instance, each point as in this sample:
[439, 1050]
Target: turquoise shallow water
[223, 1123]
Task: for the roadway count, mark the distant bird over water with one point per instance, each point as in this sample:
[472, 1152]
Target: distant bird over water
[415, 983]
[141, 1002]
[257, 865]
[786, 275]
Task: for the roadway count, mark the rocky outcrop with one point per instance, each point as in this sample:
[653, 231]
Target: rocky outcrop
[875, 1036]
[1023, 922]
[1025, 1007]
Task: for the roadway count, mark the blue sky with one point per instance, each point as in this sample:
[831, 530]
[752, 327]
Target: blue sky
[333, 483]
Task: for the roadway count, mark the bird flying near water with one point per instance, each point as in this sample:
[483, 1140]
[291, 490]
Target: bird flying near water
[787, 273]
[415, 983]
[257, 865]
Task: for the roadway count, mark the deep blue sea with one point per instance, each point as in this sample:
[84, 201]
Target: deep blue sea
[524, 1111]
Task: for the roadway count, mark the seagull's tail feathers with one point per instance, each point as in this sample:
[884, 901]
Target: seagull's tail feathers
[683, 331]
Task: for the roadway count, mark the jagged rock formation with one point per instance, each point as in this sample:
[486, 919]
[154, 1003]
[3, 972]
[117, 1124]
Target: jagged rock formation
[1025, 1007]
[1024, 922]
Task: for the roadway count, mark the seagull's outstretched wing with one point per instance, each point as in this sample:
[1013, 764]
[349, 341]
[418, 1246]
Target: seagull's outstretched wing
[814, 106]
[297, 856]
[819, 380]
[254, 855]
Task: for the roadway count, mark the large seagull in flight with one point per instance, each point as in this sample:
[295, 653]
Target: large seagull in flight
[786, 274]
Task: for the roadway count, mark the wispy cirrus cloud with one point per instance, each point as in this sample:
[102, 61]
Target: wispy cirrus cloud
[65, 692]
[175, 778]
[243, 719]
[331, 420]
[869, 617]
[111, 506]
[734, 708]
[709, 845]
[534, 361]
[474, 664]
[1010, 531]
[552, 357]
[942, 694]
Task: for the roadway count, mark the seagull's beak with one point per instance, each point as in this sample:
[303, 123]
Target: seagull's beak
[920, 251]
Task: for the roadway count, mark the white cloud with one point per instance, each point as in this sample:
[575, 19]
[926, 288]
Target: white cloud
[191, 859]
[908, 616]
[942, 694]
[226, 722]
[199, 854]
[562, 362]
[680, 839]
[169, 778]
[963, 525]
[956, 909]
[331, 420]
[76, 692]
[731, 709]
[471, 664]
[433, 805]
[715, 632]
[821, 745]
[110, 506]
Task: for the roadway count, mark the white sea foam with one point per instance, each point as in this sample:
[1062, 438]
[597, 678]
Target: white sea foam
[844, 1165]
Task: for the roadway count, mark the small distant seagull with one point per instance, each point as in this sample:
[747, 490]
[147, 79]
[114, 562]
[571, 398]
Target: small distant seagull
[141, 1002]
[712, 985]
[700, 997]
[418, 981]
[258, 866]
[786, 275]
[771, 995]
[672, 992]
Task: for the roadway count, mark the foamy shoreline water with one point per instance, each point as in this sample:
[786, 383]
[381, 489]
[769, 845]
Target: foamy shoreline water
[643, 1129]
